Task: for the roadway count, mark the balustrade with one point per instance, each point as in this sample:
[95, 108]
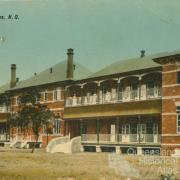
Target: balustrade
[113, 96]
[4, 137]
[122, 138]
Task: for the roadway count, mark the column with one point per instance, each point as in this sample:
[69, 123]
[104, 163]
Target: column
[81, 127]
[98, 149]
[139, 133]
[97, 129]
[65, 96]
[82, 148]
[81, 94]
[98, 92]
[117, 129]
[139, 87]
[139, 151]
[118, 150]
[118, 89]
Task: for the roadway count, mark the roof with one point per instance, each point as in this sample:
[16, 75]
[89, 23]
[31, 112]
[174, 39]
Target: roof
[128, 65]
[59, 71]
[167, 54]
[4, 88]
[58, 75]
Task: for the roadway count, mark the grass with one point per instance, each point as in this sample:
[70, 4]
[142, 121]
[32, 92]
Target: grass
[22, 165]
[17, 165]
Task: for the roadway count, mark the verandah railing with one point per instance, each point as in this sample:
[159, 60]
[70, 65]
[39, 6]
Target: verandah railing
[4, 137]
[112, 97]
[121, 138]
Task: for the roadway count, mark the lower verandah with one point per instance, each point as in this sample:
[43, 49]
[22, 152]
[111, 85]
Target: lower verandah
[117, 130]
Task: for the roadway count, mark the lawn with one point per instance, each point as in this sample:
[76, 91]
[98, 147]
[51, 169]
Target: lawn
[22, 165]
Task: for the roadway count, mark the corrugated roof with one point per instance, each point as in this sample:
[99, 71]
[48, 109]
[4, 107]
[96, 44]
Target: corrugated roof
[59, 71]
[128, 65]
[4, 88]
[172, 53]
[58, 74]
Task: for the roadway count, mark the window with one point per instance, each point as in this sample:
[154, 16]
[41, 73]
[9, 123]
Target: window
[57, 126]
[18, 100]
[57, 94]
[178, 118]
[125, 129]
[45, 96]
[178, 77]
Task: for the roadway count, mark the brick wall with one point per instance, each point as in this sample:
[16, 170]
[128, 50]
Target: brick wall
[171, 96]
[57, 107]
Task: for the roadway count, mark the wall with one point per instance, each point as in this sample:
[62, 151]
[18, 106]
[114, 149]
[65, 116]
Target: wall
[171, 97]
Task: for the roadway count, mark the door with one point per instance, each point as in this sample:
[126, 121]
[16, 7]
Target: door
[125, 133]
[113, 133]
[141, 132]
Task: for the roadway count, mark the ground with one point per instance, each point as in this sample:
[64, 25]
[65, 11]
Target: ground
[23, 165]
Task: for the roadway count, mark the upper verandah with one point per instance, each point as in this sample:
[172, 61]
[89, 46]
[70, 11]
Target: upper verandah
[58, 72]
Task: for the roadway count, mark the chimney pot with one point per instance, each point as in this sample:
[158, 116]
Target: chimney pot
[142, 53]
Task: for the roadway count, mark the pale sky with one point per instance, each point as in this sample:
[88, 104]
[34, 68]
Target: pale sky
[100, 32]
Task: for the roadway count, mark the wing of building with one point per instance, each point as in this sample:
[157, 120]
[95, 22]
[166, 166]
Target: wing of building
[133, 104]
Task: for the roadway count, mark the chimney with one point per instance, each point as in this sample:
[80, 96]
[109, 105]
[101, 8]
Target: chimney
[51, 70]
[17, 80]
[142, 53]
[70, 68]
[13, 75]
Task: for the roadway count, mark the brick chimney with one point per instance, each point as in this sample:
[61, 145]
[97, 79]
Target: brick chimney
[13, 75]
[142, 53]
[70, 67]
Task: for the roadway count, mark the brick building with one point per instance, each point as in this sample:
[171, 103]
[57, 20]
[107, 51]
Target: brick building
[50, 84]
[130, 105]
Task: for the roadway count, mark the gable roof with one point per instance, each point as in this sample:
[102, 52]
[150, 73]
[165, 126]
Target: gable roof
[58, 75]
[128, 65]
[4, 88]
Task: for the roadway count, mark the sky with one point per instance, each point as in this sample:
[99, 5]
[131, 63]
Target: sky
[101, 32]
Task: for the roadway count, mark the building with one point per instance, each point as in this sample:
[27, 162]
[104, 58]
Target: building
[50, 83]
[131, 105]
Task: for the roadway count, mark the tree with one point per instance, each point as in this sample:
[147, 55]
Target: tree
[32, 115]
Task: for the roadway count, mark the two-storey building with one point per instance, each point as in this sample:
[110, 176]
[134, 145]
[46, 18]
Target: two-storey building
[130, 106]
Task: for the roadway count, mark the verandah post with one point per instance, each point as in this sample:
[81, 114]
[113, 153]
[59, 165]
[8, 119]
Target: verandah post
[97, 129]
[117, 130]
[81, 128]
